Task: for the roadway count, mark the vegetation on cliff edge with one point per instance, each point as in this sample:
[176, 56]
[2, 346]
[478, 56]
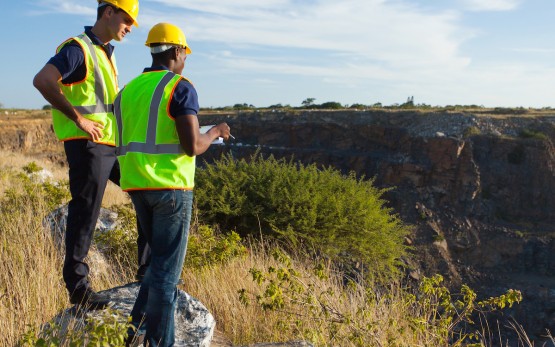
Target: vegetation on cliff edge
[257, 290]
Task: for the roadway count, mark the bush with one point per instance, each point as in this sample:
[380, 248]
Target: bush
[471, 131]
[279, 106]
[332, 105]
[31, 168]
[532, 134]
[358, 106]
[27, 193]
[207, 248]
[316, 307]
[341, 217]
[243, 106]
[120, 244]
[108, 329]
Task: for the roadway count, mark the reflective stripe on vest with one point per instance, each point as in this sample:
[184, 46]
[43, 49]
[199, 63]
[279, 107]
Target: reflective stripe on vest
[89, 96]
[101, 106]
[147, 144]
[150, 147]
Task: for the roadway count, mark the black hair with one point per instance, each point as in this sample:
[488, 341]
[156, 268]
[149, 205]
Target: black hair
[100, 10]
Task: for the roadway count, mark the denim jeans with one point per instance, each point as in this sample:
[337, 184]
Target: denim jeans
[165, 217]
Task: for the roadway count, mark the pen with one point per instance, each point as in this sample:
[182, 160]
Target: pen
[233, 137]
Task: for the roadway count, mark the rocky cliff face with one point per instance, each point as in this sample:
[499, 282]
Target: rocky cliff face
[478, 188]
[30, 132]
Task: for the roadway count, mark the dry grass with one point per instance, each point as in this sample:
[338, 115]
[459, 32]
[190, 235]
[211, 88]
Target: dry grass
[389, 311]
[216, 288]
[16, 161]
[114, 196]
[32, 290]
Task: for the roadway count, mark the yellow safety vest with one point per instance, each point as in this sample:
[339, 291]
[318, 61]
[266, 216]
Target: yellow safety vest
[148, 148]
[93, 97]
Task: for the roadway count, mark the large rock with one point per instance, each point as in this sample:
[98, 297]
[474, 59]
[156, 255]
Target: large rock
[56, 221]
[194, 325]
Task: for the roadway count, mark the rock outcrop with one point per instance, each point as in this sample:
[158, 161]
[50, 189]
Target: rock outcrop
[477, 188]
[194, 325]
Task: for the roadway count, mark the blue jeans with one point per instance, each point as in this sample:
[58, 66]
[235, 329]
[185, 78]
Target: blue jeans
[165, 217]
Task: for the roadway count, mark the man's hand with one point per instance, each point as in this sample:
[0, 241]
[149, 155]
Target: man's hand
[92, 128]
[192, 141]
[224, 130]
[46, 81]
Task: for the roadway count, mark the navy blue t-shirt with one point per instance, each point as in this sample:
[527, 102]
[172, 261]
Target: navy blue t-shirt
[184, 100]
[70, 61]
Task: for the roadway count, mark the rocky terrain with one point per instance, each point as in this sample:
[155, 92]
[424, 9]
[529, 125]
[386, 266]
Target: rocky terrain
[477, 186]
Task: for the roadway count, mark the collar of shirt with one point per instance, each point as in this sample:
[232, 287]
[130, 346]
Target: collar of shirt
[156, 68]
[109, 48]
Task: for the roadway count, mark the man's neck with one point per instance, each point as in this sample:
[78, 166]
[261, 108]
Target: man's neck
[101, 32]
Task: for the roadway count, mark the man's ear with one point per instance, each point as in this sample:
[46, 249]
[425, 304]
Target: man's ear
[109, 11]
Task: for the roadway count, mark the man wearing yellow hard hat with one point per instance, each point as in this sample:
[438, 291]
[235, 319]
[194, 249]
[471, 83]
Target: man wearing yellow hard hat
[157, 140]
[80, 81]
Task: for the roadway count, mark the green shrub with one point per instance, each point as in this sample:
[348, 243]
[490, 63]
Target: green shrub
[439, 238]
[332, 105]
[108, 329]
[243, 106]
[451, 315]
[342, 217]
[471, 131]
[32, 167]
[24, 192]
[120, 244]
[532, 134]
[207, 248]
[359, 106]
[353, 314]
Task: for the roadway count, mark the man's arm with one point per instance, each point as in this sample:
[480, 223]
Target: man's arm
[193, 142]
[46, 81]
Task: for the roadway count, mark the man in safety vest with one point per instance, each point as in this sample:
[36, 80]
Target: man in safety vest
[80, 82]
[157, 140]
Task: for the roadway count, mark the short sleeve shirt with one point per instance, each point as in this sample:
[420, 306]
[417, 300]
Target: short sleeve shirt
[184, 100]
[70, 60]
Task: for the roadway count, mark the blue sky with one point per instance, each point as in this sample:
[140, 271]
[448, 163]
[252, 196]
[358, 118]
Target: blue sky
[496, 53]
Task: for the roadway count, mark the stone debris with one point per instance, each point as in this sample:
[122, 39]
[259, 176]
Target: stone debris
[56, 221]
[194, 324]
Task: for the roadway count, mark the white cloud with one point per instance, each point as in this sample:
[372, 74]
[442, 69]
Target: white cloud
[491, 5]
[533, 50]
[396, 35]
[393, 33]
[395, 45]
[77, 7]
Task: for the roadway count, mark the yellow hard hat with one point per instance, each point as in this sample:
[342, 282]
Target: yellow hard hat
[131, 7]
[169, 34]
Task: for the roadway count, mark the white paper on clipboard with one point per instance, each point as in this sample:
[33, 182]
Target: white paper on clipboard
[204, 128]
